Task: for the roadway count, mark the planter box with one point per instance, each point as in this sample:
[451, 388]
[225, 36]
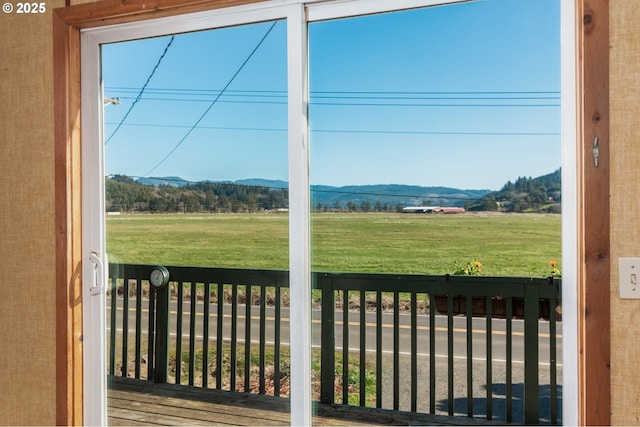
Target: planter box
[498, 307]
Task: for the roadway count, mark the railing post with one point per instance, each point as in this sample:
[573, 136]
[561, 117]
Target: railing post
[161, 364]
[531, 393]
[114, 305]
[327, 339]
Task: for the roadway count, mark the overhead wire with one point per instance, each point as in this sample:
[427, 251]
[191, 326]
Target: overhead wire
[202, 116]
[336, 98]
[365, 131]
[139, 97]
[371, 104]
[325, 92]
[328, 95]
[362, 95]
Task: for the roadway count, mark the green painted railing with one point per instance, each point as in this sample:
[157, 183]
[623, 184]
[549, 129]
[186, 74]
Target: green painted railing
[393, 346]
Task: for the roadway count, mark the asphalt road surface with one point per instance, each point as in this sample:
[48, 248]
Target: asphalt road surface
[479, 351]
[498, 332]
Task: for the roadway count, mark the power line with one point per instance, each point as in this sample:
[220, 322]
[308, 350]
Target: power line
[185, 97]
[380, 104]
[361, 104]
[257, 96]
[141, 90]
[371, 131]
[354, 93]
[214, 101]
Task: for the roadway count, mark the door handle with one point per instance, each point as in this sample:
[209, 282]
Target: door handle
[98, 275]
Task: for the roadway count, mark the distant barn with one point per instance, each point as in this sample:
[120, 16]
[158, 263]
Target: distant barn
[432, 209]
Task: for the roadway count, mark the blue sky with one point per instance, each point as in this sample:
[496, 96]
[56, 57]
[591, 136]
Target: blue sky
[464, 96]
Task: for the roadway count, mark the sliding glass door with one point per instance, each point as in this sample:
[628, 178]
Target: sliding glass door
[189, 203]
[435, 151]
[196, 188]
[236, 160]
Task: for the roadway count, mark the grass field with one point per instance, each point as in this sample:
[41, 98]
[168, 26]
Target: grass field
[506, 244]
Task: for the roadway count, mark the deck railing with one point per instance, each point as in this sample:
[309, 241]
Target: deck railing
[381, 340]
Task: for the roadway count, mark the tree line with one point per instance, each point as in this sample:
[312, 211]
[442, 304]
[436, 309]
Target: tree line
[541, 194]
[124, 194]
[363, 206]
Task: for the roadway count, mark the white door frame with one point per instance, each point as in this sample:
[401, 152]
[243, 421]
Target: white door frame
[570, 212]
[298, 14]
[93, 244]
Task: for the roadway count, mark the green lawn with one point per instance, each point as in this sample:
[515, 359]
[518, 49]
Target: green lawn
[506, 244]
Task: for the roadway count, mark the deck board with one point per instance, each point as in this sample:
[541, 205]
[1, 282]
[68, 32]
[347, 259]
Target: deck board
[138, 402]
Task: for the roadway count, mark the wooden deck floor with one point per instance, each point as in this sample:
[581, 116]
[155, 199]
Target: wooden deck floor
[138, 402]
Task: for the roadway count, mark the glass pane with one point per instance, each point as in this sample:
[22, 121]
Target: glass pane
[435, 153]
[197, 225]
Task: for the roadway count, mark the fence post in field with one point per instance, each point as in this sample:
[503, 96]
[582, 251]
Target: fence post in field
[531, 393]
[327, 340]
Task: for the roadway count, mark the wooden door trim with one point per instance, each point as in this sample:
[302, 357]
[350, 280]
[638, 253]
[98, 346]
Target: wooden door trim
[594, 276]
[66, 43]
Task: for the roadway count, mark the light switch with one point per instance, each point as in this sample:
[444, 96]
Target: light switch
[629, 277]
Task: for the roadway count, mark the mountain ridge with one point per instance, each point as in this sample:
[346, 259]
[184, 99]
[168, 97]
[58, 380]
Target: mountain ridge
[175, 194]
[328, 195]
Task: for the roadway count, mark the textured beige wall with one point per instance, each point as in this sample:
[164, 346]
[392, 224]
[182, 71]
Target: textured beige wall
[625, 205]
[27, 249]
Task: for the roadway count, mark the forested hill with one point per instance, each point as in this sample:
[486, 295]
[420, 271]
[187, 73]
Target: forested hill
[541, 194]
[124, 194]
[173, 194]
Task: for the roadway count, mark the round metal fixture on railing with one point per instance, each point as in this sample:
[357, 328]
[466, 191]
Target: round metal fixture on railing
[159, 276]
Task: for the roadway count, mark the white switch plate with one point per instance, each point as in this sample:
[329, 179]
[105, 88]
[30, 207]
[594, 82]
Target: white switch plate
[629, 277]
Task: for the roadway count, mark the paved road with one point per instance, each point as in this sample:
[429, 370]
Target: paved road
[459, 332]
[479, 389]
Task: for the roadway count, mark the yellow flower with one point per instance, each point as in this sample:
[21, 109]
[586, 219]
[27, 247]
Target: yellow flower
[555, 271]
[471, 268]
